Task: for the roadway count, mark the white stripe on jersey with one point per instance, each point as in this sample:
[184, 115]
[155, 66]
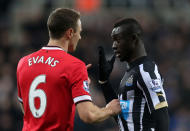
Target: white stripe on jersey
[147, 79]
[142, 113]
[130, 122]
[20, 99]
[120, 124]
[159, 77]
[152, 129]
[140, 87]
[82, 98]
[52, 48]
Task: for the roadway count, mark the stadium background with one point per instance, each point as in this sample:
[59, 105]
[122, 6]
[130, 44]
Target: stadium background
[167, 37]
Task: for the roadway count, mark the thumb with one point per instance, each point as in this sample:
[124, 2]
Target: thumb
[88, 66]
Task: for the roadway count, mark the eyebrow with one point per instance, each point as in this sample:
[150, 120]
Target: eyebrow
[116, 36]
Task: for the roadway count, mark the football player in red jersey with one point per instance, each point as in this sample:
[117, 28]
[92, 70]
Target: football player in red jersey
[51, 82]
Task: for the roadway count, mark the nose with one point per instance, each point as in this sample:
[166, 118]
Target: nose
[114, 46]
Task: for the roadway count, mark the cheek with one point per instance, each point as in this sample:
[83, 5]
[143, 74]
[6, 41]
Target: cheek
[123, 47]
[76, 38]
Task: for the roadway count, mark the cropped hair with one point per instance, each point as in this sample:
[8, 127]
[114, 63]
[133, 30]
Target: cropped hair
[131, 26]
[60, 20]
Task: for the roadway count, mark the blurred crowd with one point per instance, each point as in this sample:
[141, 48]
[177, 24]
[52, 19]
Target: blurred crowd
[167, 41]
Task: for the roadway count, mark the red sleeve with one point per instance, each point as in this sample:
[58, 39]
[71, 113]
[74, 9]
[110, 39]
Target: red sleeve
[18, 86]
[79, 83]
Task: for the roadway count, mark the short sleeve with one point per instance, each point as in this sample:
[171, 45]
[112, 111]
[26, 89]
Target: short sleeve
[79, 83]
[18, 85]
[151, 84]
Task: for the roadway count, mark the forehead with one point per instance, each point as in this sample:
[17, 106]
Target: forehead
[117, 31]
[79, 22]
[79, 25]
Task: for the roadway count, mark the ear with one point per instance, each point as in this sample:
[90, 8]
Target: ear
[69, 33]
[135, 39]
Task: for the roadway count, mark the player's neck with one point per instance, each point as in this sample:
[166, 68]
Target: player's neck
[60, 43]
[139, 52]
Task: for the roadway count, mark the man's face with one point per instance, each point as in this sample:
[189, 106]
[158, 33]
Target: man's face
[122, 44]
[76, 37]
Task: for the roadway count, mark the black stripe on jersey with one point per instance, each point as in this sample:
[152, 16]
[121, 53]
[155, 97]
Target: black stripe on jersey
[124, 123]
[126, 89]
[148, 97]
[137, 110]
[147, 120]
[150, 67]
[146, 129]
[161, 98]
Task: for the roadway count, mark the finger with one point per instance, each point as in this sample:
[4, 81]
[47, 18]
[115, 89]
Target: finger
[89, 81]
[101, 54]
[88, 66]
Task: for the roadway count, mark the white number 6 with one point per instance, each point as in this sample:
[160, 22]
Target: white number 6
[33, 93]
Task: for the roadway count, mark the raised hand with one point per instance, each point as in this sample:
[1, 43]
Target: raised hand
[105, 66]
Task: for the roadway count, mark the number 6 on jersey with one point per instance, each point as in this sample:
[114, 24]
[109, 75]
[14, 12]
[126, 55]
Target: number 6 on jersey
[33, 93]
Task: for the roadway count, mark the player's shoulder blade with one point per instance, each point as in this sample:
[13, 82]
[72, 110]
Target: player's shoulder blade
[74, 60]
[23, 60]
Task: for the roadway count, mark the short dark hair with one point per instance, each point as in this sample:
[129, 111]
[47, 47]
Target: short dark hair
[60, 20]
[131, 26]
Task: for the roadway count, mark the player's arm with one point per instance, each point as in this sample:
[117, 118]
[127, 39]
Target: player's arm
[20, 103]
[19, 98]
[90, 113]
[162, 119]
[22, 108]
[108, 91]
[150, 82]
[105, 69]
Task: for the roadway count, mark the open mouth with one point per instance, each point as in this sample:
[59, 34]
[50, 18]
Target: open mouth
[117, 53]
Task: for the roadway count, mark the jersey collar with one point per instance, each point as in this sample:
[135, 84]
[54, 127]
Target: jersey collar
[138, 61]
[52, 48]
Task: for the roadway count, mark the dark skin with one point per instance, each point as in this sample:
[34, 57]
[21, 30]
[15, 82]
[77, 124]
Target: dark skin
[128, 47]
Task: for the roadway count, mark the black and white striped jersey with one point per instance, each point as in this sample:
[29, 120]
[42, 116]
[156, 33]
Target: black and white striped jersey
[140, 92]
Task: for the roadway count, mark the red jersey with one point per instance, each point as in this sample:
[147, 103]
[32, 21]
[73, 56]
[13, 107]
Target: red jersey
[50, 83]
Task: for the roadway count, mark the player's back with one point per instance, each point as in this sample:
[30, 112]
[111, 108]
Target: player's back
[45, 90]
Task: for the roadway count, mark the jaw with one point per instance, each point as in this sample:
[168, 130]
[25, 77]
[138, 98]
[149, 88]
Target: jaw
[70, 48]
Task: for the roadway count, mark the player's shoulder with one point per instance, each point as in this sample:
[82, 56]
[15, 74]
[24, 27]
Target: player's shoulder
[23, 60]
[148, 65]
[74, 60]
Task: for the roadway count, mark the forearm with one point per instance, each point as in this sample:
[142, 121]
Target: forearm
[161, 118]
[100, 114]
[108, 91]
[91, 113]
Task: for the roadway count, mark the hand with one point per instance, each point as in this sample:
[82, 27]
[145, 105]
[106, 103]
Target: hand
[114, 106]
[105, 66]
[88, 66]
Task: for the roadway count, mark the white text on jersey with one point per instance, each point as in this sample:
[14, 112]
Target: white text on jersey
[41, 59]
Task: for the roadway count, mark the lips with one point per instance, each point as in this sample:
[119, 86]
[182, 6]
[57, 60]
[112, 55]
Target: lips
[117, 53]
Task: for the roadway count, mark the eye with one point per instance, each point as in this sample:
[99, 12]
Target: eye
[118, 40]
[115, 39]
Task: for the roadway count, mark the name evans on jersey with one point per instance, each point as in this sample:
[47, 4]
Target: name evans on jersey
[41, 59]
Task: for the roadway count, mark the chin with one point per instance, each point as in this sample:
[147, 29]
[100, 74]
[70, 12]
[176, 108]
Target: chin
[121, 59]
